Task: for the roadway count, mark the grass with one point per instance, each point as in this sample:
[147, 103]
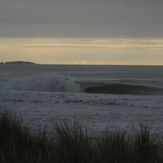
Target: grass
[72, 144]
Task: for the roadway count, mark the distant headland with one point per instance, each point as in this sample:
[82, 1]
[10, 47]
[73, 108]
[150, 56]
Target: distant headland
[17, 62]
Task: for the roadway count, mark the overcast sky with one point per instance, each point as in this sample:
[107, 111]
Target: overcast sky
[80, 19]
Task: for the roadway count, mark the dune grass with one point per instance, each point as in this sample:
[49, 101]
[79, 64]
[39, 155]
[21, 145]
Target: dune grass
[72, 144]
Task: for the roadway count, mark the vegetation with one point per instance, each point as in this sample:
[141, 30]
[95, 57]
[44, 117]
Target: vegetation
[68, 144]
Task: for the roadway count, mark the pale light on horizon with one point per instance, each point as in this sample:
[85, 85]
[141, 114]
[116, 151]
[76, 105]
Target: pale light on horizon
[83, 51]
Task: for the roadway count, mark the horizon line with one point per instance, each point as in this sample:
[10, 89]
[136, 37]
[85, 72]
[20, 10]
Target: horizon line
[77, 64]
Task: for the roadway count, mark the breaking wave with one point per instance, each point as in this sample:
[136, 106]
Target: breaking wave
[125, 89]
[52, 83]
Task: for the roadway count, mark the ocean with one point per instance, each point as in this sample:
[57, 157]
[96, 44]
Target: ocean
[98, 96]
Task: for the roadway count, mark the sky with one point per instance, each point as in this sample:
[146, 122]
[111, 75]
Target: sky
[119, 32]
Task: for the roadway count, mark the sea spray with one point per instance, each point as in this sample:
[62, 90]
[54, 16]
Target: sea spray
[52, 83]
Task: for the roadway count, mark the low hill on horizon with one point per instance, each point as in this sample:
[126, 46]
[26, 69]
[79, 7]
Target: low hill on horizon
[17, 62]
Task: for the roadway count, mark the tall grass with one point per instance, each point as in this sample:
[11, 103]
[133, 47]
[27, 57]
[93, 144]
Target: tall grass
[71, 143]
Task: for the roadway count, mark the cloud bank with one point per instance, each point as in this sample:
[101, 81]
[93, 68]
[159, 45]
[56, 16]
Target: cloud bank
[76, 18]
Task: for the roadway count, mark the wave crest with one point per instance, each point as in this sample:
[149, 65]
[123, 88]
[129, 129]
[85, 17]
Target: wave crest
[125, 89]
[52, 83]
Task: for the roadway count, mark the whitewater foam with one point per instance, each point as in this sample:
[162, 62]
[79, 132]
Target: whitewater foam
[51, 83]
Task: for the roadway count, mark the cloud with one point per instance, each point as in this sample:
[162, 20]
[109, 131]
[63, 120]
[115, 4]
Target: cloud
[86, 18]
[83, 62]
[93, 62]
[48, 43]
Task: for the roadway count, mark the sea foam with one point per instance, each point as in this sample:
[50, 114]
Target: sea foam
[52, 83]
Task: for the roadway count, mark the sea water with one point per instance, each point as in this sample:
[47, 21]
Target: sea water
[120, 96]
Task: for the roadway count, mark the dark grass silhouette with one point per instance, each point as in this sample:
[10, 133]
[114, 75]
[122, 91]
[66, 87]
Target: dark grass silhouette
[71, 143]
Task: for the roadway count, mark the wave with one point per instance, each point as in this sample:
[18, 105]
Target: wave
[64, 83]
[125, 89]
[52, 83]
